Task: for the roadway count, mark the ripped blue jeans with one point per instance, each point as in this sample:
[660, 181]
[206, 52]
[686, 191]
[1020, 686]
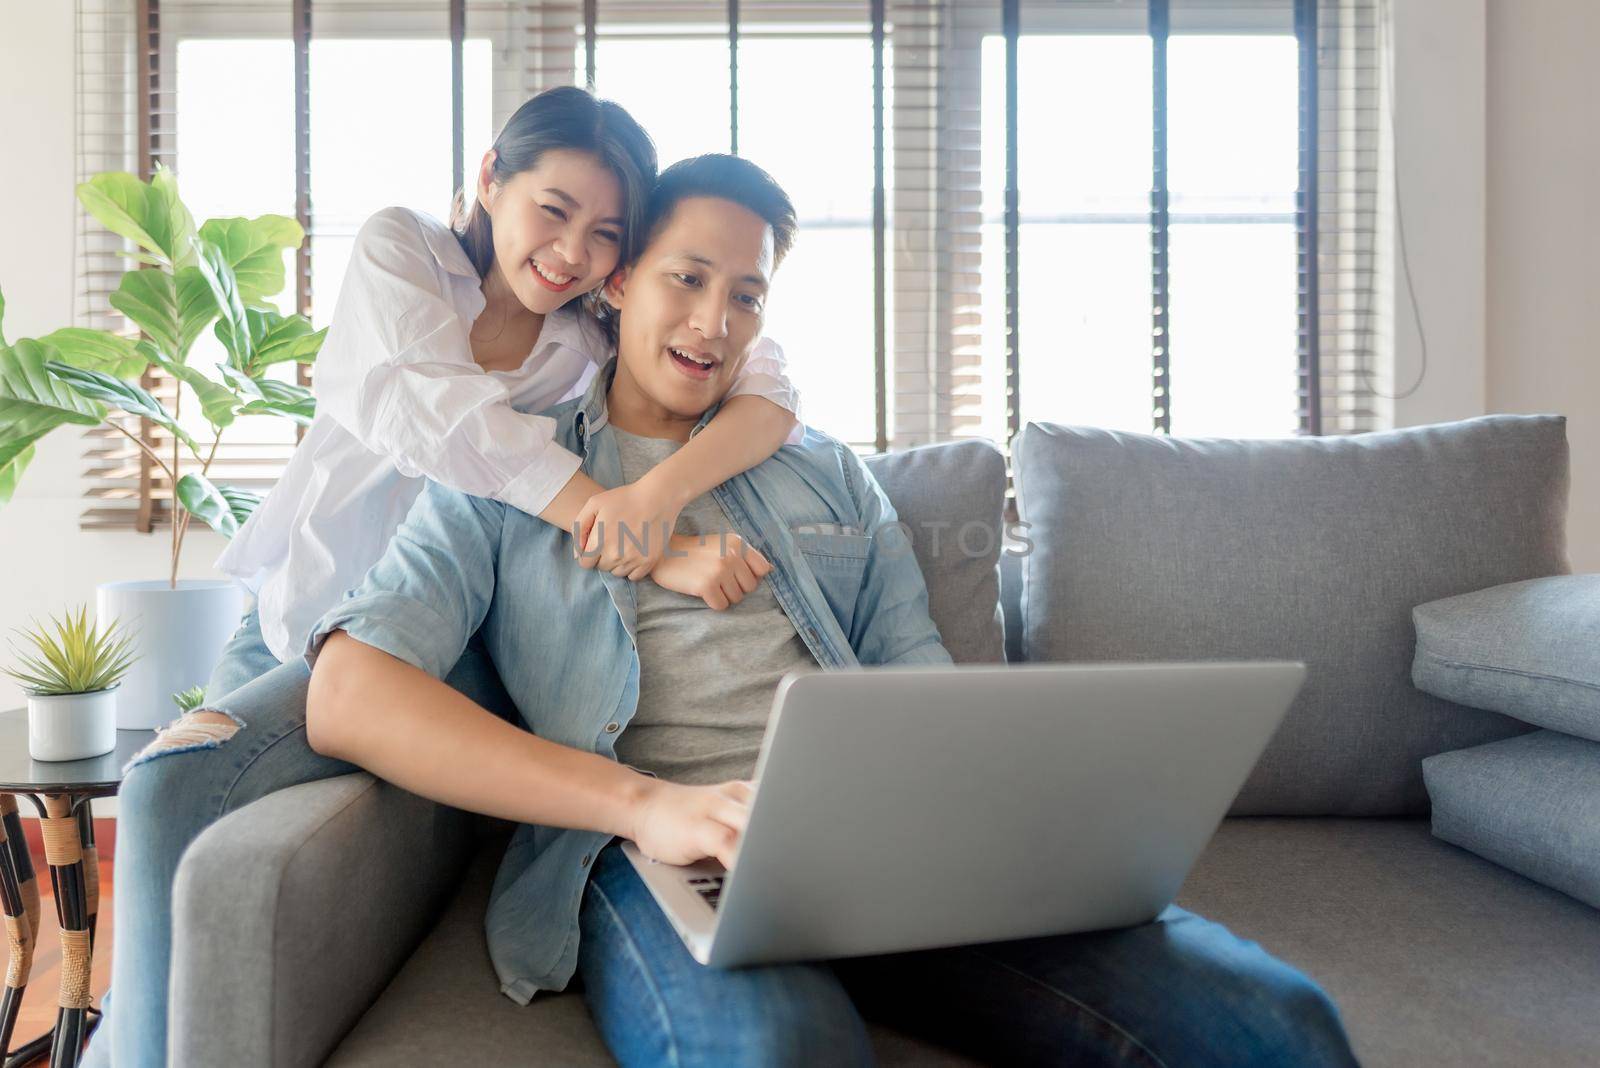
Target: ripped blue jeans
[170, 793]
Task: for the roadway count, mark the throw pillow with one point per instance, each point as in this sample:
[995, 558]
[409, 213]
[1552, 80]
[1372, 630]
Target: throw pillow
[1530, 803]
[1528, 649]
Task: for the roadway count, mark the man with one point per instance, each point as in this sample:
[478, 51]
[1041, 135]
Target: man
[608, 675]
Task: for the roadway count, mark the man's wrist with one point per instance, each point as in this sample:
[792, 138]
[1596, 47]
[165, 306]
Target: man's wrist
[634, 792]
[670, 491]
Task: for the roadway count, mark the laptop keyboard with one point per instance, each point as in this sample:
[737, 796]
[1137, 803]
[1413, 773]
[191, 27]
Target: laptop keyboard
[709, 887]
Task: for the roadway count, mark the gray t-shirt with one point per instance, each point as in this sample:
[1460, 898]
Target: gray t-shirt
[706, 678]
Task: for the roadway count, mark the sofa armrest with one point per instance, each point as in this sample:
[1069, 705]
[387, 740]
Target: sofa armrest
[292, 914]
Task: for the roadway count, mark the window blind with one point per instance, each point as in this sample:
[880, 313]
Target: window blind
[1355, 219]
[935, 218]
[929, 356]
[124, 122]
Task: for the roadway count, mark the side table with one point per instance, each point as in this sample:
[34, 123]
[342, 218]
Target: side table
[61, 792]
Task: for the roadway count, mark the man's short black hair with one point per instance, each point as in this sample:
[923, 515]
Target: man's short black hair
[728, 178]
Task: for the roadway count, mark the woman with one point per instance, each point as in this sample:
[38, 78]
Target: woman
[441, 341]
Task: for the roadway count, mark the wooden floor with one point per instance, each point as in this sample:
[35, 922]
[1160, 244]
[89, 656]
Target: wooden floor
[39, 1001]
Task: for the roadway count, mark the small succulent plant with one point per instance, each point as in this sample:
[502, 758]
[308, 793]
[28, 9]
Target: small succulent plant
[190, 699]
[72, 656]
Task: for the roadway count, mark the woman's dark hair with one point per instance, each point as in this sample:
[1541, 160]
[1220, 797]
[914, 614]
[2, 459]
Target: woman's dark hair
[572, 118]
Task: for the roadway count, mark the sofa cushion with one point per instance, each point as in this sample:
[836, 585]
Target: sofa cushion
[951, 497]
[1313, 549]
[1528, 649]
[1531, 804]
[1434, 956]
[445, 1007]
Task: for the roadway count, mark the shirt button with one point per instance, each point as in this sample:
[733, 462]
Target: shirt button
[611, 728]
[585, 862]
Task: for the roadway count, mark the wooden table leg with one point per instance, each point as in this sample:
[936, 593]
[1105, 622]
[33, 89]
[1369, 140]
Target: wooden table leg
[91, 865]
[91, 872]
[16, 870]
[64, 852]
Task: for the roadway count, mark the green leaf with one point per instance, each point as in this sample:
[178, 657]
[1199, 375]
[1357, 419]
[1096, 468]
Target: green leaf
[217, 403]
[98, 350]
[254, 249]
[141, 257]
[190, 699]
[233, 328]
[196, 308]
[125, 395]
[243, 502]
[209, 502]
[285, 338]
[121, 204]
[239, 380]
[73, 657]
[282, 398]
[13, 461]
[2, 320]
[303, 414]
[180, 224]
[32, 401]
[150, 299]
[149, 215]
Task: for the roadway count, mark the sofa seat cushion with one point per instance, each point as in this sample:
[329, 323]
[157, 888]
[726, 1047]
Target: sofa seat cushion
[445, 1007]
[1528, 649]
[1433, 955]
[1530, 803]
[1314, 549]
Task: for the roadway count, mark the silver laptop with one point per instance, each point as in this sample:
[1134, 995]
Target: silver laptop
[909, 808]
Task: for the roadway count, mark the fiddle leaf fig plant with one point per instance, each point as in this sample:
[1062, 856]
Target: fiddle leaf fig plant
[184, 279]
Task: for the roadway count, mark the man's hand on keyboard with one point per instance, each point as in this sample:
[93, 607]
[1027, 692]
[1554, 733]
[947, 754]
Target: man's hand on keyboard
[679, 824]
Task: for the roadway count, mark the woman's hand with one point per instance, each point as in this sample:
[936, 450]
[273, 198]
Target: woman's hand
[625, 530]
[678, 824]
[719, 570]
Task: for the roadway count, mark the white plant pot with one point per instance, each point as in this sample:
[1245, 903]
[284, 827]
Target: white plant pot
[73, 726]
[178, 638]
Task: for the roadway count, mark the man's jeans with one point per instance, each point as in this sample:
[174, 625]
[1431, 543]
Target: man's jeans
[1177, 991]
[168, 797]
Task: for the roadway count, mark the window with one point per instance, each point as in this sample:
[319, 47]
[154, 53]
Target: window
[384, 138]
[1085, 177]
[1233, 141]
[1259, 310]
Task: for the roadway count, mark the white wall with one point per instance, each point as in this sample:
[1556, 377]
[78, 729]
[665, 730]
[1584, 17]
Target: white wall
[1439, 152]
[1543, 229]
[1498, 147]
[46, 563]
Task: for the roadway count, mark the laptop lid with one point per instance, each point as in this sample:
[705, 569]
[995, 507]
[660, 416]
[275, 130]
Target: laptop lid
[907, 808]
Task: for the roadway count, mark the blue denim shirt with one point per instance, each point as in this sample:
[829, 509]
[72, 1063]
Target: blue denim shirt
[562, 637]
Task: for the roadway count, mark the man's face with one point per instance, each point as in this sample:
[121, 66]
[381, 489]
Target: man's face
[693, 305]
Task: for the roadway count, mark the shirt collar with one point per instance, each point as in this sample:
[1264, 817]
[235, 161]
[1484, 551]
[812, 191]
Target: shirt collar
[574, 328]
[591, 414]
[446, 247]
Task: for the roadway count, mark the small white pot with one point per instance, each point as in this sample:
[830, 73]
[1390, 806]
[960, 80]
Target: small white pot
[73, 726]
[178, 638]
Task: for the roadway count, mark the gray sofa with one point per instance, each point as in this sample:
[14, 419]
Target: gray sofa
[342, 920]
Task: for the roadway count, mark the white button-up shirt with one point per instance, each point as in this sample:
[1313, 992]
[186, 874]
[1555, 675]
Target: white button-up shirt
[399, 400]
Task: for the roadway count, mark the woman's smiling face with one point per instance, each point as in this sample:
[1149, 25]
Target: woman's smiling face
[557, 228]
